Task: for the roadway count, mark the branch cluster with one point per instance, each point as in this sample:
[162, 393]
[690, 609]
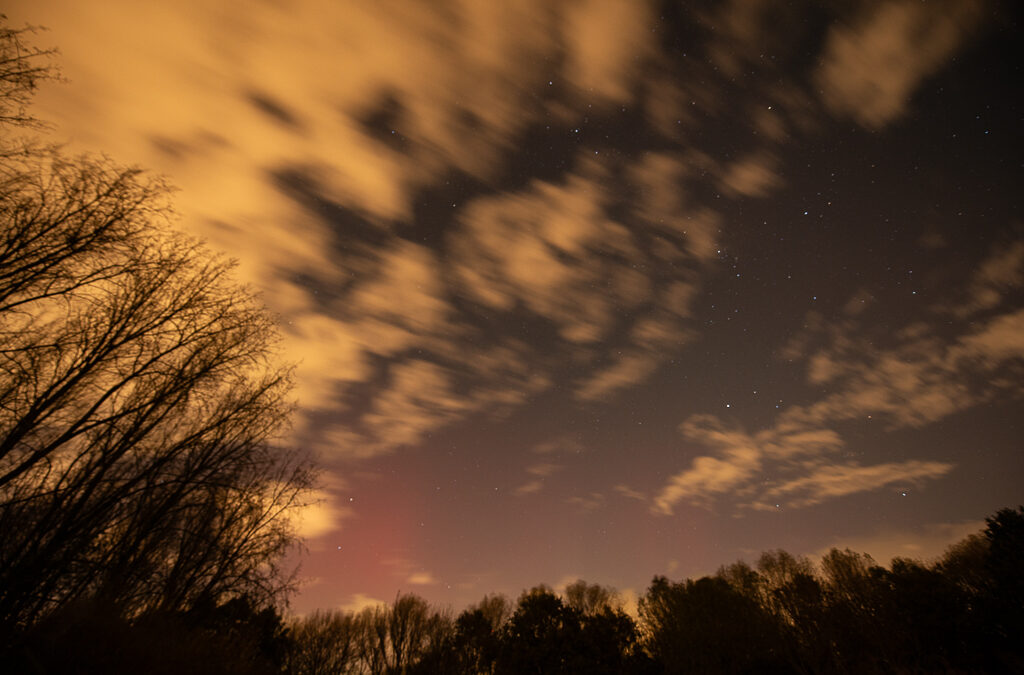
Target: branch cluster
[141, 397]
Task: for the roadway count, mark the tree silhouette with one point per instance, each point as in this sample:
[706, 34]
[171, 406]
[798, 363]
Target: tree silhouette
[706, 626]
[323, 643]
[475, 641]
[140, 397]
[540, 635]
[547, 635]
[22, 68]
[1004, 598]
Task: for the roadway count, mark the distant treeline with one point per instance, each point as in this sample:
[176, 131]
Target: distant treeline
[784, 614]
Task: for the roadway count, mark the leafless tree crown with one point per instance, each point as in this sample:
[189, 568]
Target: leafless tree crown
[141, 396]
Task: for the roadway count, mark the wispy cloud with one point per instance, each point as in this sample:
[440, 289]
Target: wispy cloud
[539, 472]
[323, 514]
[736, 462]
[916, 380]
[838, 480]
[629, 493]
[421, 579]
[587, 503]
[751, 176]
[360, 601]
[872, 66]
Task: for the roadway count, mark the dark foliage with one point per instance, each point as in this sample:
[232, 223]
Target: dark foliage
[93, 637]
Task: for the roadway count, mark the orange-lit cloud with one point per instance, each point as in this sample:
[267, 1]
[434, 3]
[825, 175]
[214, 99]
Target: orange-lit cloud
[920, 381]
[751, 176]
[871, 67]
[360, 601]
[538, 473]
[421, 579]
[418, 399]
[738, 459]
[362, 105]
[321, 516]
[608, 42]
[774, 468]
[629, 492]
[626, 370]
[587, 503]
[1002, 273]
[838, 480]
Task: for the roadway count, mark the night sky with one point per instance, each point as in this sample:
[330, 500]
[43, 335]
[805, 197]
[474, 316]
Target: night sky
[600, 288]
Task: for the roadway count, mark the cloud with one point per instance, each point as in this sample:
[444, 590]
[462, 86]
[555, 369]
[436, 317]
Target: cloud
[564, 444]
[795, 445]
[738, 461]
[545, 469]
[871, 67]
[553, 250]
[1000, 275]
[630, 493]
[751, 176]
[320, 370]
[538, 473]
[400, 304]
[687, 231]
[743, 31]
[360, 601]
[421, 579]
[998, 342]
[404, 570]
[774, 467]
[920, 380]
[323, 514]
[830, 481]
[587, 503]
[544, 248]
[607, 43]
[627, 370]
[529, 487]
[418, 399]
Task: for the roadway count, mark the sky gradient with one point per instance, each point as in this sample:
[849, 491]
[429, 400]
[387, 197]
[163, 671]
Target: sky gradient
[599, 288]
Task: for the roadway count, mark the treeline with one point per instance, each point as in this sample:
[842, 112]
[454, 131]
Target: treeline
[784, 614]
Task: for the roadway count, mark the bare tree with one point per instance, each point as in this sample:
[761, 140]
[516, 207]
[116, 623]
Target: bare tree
[324, 643]
[141, 398]
[22, 69]
[591, 599]
[394, 637]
